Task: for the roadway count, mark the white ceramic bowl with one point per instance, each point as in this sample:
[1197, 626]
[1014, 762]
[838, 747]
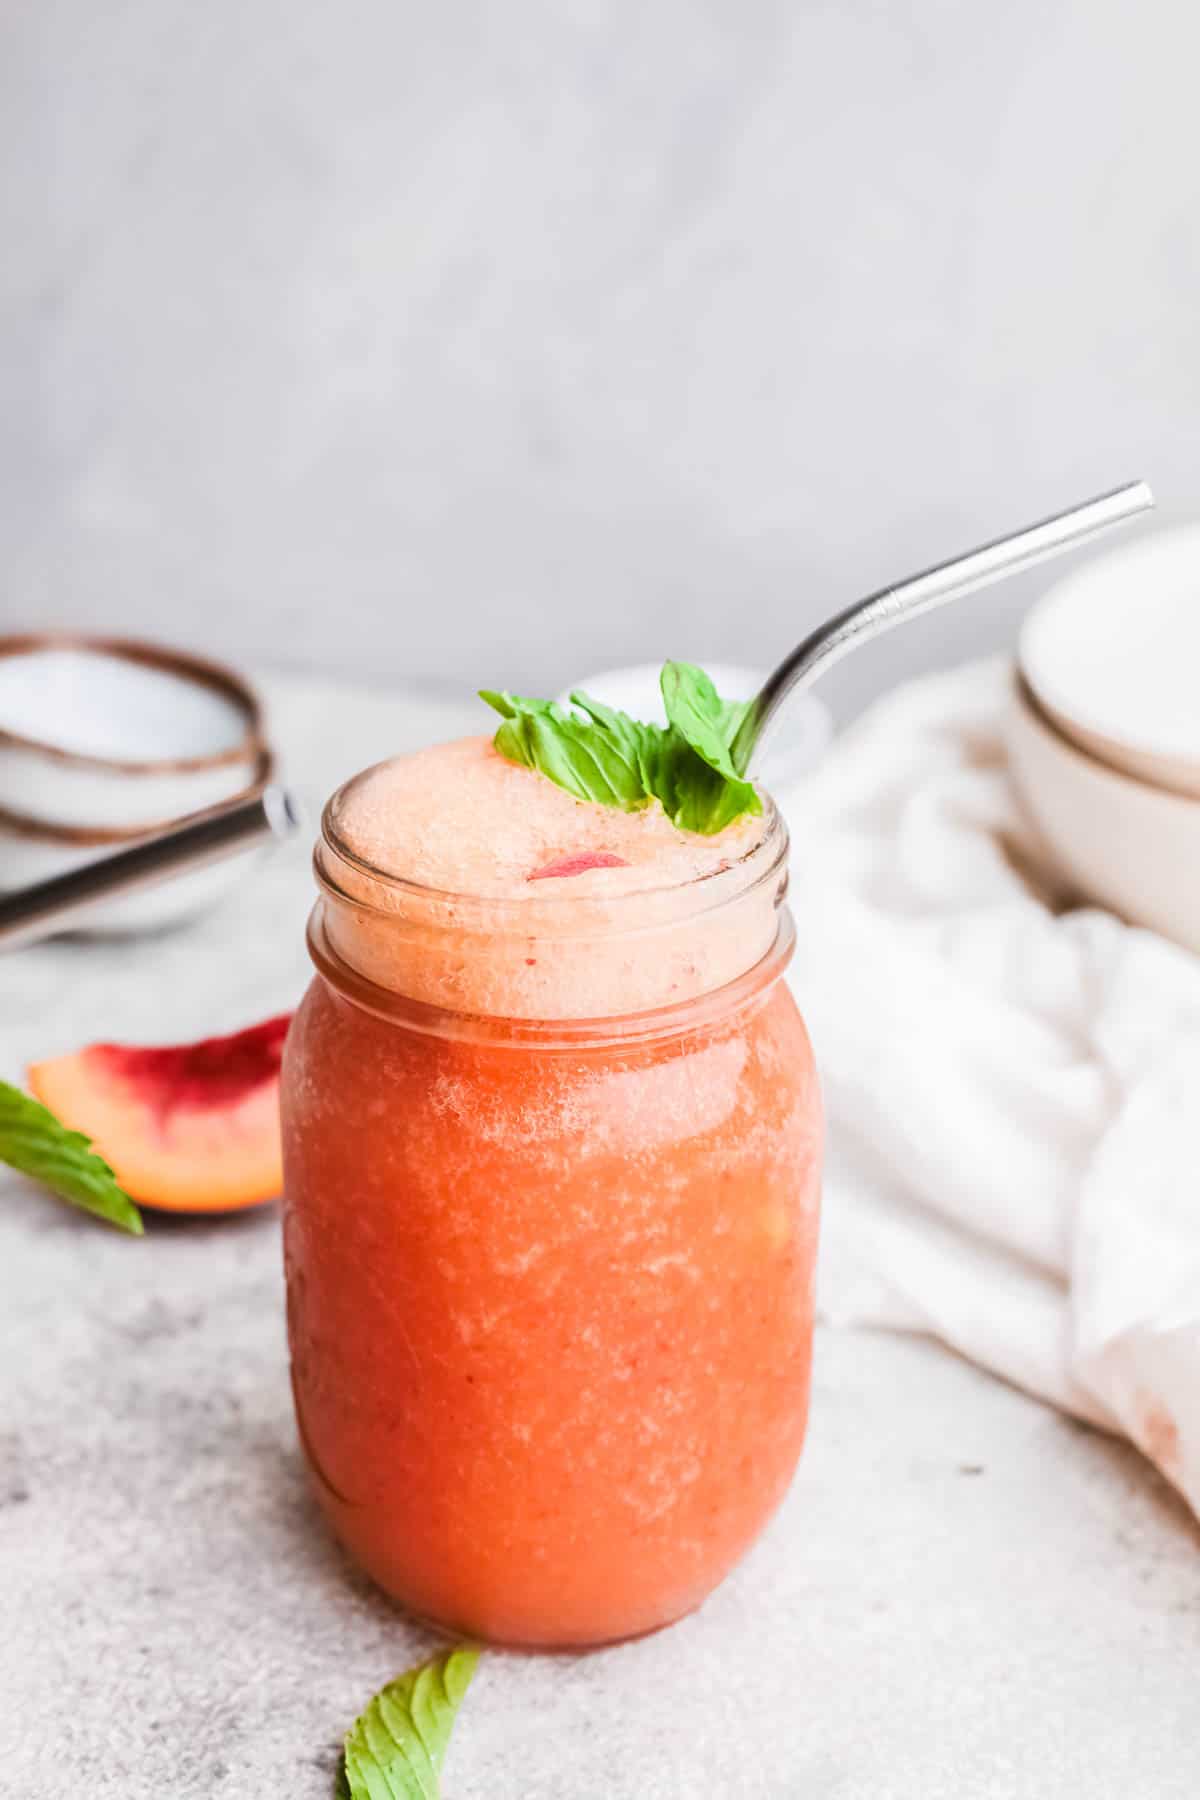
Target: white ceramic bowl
[30, 854]
[1124, 844]
[1112, 654]
[103, 735]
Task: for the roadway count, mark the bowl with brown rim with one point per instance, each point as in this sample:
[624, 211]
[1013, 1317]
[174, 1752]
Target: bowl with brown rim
[105, 741]
[113, 735]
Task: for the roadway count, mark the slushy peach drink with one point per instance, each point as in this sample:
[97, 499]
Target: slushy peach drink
[552, 1141]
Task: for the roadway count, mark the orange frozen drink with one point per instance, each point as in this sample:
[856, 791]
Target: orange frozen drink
[552, 1141]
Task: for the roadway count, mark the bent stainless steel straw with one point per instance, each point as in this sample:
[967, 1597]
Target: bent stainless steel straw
[64, 900]
[866, 619]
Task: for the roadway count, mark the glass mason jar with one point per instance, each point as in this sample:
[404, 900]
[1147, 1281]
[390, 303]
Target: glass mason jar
[550, 1221]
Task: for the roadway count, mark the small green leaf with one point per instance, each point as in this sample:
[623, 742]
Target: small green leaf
[512, 705]
[33, 1141]
[603, 756]
[700, 716]
[396, 1746]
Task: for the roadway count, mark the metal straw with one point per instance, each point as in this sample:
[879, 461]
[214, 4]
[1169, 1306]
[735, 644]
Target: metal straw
[866, 619]
[64, 900]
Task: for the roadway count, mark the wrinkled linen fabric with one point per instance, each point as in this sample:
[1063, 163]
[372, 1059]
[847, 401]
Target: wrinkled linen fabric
[1012, 1080]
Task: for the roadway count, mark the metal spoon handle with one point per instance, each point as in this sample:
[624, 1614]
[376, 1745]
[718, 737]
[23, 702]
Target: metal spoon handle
[945, 581]
[63, 900]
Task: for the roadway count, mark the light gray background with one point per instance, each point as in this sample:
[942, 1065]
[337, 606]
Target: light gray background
[471, 342]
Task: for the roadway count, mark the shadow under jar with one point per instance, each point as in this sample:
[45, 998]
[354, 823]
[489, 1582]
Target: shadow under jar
[550, 1222]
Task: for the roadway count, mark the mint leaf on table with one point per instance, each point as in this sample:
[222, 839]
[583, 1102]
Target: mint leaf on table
[33, 1141]
[604, 756]
[396, 1746]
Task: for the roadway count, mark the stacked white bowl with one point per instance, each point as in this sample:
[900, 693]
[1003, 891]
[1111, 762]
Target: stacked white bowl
[105, 741]
[1104, 730]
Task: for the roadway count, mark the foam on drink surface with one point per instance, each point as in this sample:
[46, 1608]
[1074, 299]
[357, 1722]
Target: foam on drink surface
[593, 909]
[463, 818]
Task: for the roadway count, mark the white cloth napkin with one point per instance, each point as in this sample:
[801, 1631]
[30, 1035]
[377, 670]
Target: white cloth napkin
[1013, 1089]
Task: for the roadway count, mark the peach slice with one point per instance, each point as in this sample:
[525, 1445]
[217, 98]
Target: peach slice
[578, 864]
[186, 1127]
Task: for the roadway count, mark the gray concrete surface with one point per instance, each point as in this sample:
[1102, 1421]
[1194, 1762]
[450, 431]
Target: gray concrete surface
[964, 1595]
[577, 334]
